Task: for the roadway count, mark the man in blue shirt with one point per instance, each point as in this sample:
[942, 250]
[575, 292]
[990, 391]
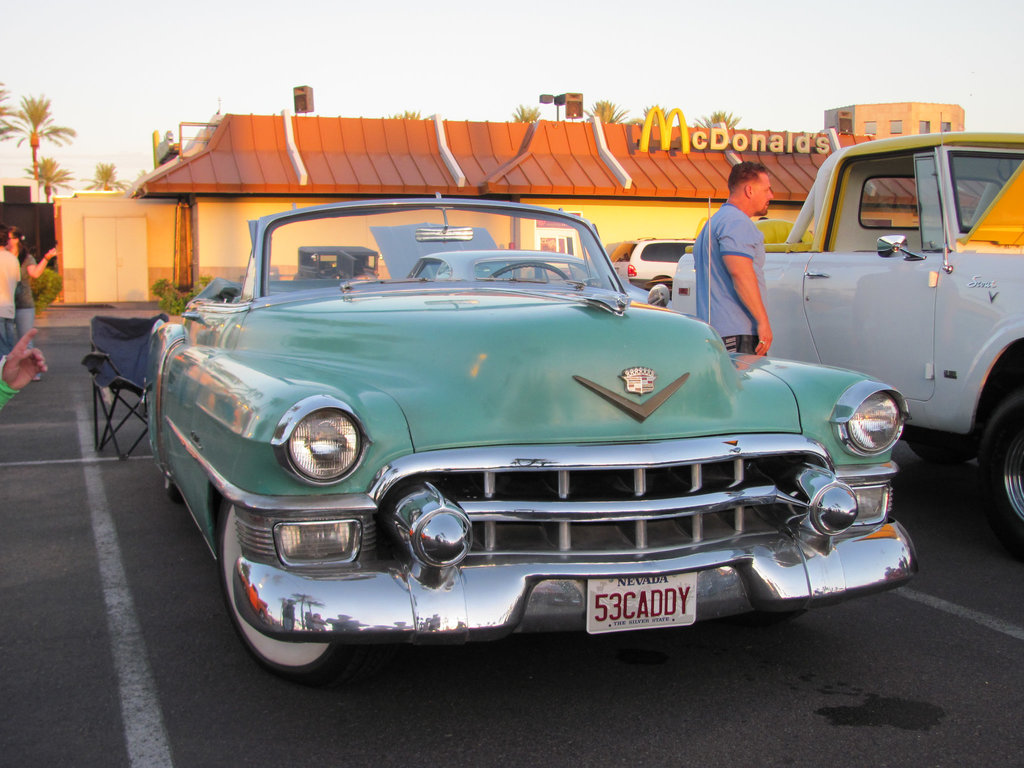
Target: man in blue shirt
[730, 289]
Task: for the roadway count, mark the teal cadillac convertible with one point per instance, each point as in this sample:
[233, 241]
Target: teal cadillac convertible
[441, 421]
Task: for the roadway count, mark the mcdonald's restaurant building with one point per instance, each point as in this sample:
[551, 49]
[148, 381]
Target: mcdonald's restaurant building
[188, 218]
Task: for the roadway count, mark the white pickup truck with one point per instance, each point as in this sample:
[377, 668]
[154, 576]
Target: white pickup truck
[907, 262]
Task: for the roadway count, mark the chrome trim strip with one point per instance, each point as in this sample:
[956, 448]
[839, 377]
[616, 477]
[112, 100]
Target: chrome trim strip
[625, 510]
[868, 475]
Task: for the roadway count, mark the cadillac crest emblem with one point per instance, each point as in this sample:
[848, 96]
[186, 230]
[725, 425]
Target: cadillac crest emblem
[639, 380]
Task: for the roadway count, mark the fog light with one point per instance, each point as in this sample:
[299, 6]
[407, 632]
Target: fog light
[436, 530]
[873, 502]
[833, 509]
[317, 542]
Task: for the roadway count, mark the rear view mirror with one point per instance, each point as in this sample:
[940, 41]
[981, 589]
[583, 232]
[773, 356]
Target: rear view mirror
[659, 296]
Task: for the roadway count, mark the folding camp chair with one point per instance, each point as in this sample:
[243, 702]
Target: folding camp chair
[117, 363]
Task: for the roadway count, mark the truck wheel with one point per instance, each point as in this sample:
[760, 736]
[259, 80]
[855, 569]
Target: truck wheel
[1002, 473]
[315, 664]
[942, 454]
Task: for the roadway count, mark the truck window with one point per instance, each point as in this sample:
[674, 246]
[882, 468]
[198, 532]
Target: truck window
[929, 206]
[888, 202]
[977, 180]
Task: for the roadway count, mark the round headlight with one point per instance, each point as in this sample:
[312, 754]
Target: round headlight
[324, 445]
[875, 425]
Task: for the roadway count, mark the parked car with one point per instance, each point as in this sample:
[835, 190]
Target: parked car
[648, 261]
[510, 448]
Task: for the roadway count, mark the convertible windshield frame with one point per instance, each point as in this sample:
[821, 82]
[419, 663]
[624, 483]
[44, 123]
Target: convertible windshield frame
[378, 243]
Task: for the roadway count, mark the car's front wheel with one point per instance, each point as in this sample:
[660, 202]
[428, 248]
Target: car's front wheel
[1002, 473]
[316, 664]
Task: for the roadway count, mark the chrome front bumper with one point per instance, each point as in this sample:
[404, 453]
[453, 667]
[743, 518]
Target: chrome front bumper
[486, 597]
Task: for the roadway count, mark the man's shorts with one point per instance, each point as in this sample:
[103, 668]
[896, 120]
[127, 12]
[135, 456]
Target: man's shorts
[742, 344]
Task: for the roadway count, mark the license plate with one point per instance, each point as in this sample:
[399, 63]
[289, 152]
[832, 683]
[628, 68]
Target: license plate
[641, 602]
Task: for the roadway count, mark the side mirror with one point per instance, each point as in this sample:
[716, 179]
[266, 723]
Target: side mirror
[891, 245]
[659, 296]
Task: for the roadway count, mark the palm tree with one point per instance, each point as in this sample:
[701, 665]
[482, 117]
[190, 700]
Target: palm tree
[608, 112]
[720, 116]
[35, 123]
[409, 114]
[105, 178]
[50, 175]
[5, 112]
[525, 114]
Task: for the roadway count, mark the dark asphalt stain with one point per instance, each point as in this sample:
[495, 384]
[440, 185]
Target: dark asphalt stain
[880, 710]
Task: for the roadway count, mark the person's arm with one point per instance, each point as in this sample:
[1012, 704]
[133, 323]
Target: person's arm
[35, 270]
[744, 280]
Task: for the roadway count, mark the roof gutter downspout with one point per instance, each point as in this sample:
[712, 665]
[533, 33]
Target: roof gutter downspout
[293, 150]
[446, 153]
[605, 154]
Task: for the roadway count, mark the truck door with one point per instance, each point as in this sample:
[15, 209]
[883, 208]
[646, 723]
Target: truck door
[869, 313]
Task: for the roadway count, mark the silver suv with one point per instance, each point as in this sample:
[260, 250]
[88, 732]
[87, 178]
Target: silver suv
[647, 262]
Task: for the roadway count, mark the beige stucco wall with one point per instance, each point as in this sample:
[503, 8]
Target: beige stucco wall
[71, 213]
[623, 219]
[221, 230]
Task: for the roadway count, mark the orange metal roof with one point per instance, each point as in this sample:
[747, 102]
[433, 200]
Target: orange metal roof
[249, 154]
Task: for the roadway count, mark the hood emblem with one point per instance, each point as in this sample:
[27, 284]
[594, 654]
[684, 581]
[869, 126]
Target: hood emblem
[638, 411]
[639, 381]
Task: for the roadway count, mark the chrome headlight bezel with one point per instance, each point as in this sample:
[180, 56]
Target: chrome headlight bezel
[857, 407]
[298, 416]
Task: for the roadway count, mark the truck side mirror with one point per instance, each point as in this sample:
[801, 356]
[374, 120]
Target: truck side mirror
[891, 245]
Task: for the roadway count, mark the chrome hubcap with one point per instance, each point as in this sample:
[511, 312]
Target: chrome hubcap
[1013, 474]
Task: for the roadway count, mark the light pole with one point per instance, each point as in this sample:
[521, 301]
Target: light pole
[573, 103]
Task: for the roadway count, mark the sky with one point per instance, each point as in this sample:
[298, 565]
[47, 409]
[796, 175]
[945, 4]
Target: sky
[118, 70]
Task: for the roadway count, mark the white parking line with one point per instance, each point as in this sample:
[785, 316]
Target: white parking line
[1004, 627]
[83, 460]
[144, 733]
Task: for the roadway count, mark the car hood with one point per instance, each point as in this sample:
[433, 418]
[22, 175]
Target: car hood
[486, 369]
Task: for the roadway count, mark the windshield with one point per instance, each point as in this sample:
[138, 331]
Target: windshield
[438, 243]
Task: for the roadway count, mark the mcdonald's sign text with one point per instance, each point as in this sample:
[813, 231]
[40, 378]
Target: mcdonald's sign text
[720, 139]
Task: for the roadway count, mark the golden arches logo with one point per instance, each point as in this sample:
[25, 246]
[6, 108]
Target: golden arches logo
[664, 129]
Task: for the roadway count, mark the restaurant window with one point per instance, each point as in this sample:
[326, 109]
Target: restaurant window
[870, 127]
[895, 126]
[925, 126]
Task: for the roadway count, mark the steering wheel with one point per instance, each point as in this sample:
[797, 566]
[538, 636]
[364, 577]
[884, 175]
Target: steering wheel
[528, 264]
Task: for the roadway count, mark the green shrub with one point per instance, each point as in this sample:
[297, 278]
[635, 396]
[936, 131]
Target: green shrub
[172, 298]
[46, 288]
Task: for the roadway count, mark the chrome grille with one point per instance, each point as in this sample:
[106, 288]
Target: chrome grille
[593, 500]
